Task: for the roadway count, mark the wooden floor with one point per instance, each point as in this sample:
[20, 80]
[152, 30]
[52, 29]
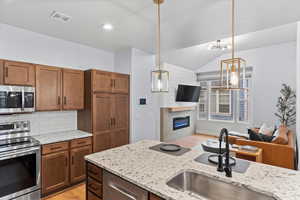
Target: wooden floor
[78, 192]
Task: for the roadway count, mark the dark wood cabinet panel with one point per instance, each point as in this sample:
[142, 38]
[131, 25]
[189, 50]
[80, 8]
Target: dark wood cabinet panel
[94, 186]
[120, 111]
[19, 73]
[48, 88]
[94, 172]
[120, 83]
[81, 142]
[73, 89]
[77, 166]
[1, 72]
[119, 138]
[55, 171]
[101, 81]
[91, 196]
[154, 197]
[102, 120]
[101, 141]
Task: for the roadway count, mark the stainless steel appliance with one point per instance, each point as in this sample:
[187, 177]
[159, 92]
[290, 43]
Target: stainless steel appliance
[20, 158]
[115, 188]
[16, 99]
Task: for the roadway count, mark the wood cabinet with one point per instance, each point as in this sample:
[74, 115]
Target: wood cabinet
[48, 88]
[77, 167]
[73, 89]
[19, 73]
[94, 184]
[55, 171]
[58, 88]
[106, 112]
[63, 164]
[120, 83]
[1, 72]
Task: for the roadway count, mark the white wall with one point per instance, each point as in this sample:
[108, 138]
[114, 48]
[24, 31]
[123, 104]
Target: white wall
[273, 66]
[122, 61]
[178, 75]
[22, 45]
[298, 89]
[145, 118]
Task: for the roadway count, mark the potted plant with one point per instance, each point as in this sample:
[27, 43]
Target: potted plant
[286, 106]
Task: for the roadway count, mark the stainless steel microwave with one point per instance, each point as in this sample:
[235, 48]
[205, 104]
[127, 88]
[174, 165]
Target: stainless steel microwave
[16, 99]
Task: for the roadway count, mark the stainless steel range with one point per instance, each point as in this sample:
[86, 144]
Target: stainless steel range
[19, 162]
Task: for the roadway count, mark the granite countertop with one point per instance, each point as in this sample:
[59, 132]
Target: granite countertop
[151, 170]
[61, 136]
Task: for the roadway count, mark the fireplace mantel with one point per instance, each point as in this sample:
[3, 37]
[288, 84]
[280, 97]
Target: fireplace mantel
[181, 109]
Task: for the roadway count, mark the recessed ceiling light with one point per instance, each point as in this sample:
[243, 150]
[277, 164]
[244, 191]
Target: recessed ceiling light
[107, 27]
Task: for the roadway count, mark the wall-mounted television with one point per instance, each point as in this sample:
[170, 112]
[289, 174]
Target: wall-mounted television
[188, 93]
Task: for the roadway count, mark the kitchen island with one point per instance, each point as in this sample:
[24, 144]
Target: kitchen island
[151, 170]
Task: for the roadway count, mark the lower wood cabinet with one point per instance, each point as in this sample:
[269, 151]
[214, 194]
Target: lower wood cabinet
[55, 171]
[94, 184]
[63, 164]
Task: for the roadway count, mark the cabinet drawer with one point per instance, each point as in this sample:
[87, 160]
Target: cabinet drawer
[55, 147]
[81, 142]
[91, 196]
[94, 172]
[94, 187]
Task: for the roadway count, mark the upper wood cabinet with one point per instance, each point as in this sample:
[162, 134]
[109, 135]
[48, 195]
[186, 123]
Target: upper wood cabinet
[73, 89]
[120, 83]
[109, 82]
[102, 81]
[120, 111]
[1, 72]
[48, 88]
[58, 88]
[19, 73]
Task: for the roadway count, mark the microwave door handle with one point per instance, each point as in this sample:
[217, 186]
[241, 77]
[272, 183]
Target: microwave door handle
[122, 191]
[16, 154]
[23, 100]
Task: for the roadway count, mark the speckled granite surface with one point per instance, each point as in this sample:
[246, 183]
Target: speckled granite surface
[151, 170]
[61, 136]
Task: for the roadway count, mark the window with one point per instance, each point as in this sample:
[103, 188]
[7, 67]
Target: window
[223, 105]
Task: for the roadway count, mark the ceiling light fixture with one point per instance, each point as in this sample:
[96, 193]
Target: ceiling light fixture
[107, 27]
[233, 71]
[218, 46]
[160, 77]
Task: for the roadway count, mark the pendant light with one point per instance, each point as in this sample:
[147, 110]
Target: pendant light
[233, 71]
[160, 77]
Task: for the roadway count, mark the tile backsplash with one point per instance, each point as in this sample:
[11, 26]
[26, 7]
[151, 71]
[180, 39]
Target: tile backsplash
[46, 122]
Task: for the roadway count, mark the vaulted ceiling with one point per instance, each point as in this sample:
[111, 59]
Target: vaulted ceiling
[185, 23]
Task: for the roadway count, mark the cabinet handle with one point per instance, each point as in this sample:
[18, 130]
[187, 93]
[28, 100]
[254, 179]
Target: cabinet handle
[6, 72]
[114, 120]
[66, 162]
[65, 100]
[111, 122]
[72, 160]
[114, 83]
[58, 100]
[111, 83]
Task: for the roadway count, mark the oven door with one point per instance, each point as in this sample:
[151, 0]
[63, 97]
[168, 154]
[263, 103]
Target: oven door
[19, 172]
[29, 97]
[11, 99]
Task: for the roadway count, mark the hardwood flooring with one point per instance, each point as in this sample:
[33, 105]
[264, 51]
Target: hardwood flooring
[78, 192]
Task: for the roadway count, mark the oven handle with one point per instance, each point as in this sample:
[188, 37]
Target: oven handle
[15, 154]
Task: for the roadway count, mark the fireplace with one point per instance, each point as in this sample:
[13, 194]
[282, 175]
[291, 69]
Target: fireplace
[181, 122]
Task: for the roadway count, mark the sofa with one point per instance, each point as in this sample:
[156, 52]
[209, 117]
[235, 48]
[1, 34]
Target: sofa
[273, 154]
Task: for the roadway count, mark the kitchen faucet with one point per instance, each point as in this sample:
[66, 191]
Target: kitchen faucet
[227, 167]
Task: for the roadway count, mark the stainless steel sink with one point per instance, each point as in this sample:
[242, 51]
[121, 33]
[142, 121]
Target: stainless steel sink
[213, 189]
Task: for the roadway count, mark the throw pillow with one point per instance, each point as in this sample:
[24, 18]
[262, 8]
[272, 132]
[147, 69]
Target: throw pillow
[280, 136]
[264, 129]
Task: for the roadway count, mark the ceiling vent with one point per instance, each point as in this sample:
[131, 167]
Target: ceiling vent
[60, 16]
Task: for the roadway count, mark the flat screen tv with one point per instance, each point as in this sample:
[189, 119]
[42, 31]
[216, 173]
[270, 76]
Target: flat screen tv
[188, 93]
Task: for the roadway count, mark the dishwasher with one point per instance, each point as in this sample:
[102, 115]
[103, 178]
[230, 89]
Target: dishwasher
[115, 188]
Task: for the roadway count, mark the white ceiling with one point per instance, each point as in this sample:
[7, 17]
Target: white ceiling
[196, 56]
[185, 23]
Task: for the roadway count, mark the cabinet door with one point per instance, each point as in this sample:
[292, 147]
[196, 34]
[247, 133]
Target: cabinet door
[119, 138]
[102, 121]
[102, 81]
[1, 72]
[48, 88]
[120, 111]
[78, 163]
[120, 83]
[55, 171]
[154, 197]
[73, 89]
[19, 73]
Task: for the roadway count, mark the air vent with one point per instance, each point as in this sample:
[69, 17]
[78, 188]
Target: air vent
[60, 16]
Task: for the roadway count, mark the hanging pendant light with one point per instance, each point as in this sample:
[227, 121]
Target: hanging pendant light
[233, 71]
[160, 77]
